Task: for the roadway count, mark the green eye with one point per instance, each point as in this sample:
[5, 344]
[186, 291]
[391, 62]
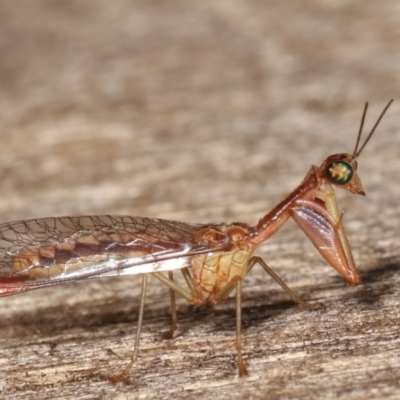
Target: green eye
[339, 172]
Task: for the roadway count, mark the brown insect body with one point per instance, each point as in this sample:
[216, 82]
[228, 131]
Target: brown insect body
[213, 259]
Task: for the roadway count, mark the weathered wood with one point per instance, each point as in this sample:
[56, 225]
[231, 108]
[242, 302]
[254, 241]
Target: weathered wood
[202, 112]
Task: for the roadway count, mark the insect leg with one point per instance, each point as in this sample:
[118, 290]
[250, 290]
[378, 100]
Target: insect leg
[140, 318]
[258, 260]
[324, 227]
[226, 290]
[174, 318]
[235, 283]
[188, 278]
[125, 372]
[241, 364]
[186, 294]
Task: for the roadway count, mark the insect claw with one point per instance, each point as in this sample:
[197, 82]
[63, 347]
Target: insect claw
[307, 305]
[123, 375]
[167, 334]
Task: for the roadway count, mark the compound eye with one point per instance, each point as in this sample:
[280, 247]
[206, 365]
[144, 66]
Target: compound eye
[339, 172]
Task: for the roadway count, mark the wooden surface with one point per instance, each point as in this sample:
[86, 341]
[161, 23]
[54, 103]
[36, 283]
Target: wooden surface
[205, 112]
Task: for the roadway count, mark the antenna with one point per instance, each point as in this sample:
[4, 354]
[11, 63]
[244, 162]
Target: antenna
[357, 153]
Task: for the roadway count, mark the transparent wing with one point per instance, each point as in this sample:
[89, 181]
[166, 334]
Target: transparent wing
[42, 252]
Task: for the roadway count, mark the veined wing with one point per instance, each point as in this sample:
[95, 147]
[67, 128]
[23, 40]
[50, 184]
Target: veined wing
[42, 252]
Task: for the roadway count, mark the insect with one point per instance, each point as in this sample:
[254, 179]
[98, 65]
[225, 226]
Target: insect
[212, 258]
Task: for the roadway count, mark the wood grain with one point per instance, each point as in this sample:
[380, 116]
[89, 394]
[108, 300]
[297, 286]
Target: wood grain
[204, 112]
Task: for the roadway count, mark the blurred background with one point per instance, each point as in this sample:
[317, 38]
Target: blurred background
[196, 111]
[160, 108]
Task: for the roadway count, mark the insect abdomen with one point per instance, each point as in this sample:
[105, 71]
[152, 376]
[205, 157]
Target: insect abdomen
[212, 272]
